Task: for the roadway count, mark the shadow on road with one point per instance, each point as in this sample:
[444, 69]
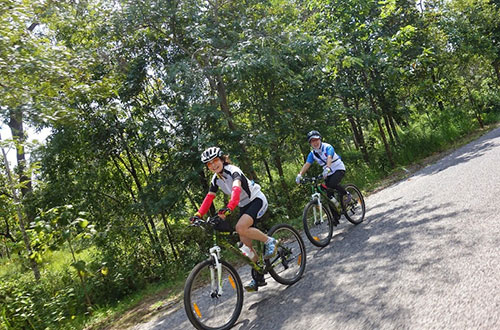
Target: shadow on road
[353, 265]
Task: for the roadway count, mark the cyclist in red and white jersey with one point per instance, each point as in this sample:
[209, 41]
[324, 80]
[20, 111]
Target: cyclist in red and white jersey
[244, 193]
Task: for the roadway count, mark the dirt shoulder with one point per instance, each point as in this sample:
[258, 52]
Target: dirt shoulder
[154, 304]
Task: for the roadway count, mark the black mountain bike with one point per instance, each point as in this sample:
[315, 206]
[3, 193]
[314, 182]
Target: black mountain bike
[213, 292]
[322, 213]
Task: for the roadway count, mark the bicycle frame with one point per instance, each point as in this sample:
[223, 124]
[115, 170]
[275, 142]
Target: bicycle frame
[214, 254]
[318, 191]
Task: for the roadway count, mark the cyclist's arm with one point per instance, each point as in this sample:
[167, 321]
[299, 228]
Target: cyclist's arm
[329, 161]
[329, 152]
[305, 168]
[235, 195]
[307, 164]
[205, 206]
[235, 199]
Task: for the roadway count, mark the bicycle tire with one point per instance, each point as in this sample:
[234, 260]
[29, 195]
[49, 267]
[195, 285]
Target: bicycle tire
[291, 252]
[319, 233]
[206, 311]
[355, 212]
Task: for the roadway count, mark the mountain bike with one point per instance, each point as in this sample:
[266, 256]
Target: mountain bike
[322, 213]
[213, 292]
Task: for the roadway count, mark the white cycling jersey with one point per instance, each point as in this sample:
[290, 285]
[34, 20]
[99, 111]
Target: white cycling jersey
[320, 155]
[249, 189]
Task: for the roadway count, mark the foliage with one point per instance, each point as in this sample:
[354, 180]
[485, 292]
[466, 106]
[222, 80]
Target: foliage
[134, 91]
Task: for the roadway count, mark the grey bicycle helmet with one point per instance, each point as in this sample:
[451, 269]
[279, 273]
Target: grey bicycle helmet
[313, 135]
[210, 154]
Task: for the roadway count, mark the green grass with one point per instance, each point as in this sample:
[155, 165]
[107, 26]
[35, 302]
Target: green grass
[53, 261]
[10, 267]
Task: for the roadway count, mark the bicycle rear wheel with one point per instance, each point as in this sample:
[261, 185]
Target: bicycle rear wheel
[205, 306]
[355, 210]
[289, 263]
[318, 224]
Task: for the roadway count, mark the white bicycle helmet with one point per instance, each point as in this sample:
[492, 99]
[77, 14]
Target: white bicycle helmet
[210, 154]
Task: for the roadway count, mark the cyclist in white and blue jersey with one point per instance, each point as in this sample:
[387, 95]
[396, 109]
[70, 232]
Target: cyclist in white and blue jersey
[324, 154]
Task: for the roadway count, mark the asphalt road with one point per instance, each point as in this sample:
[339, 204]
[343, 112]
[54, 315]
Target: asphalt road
[426, 257]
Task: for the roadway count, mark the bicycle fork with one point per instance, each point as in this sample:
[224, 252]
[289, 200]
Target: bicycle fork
[316, 196]
[216, 280]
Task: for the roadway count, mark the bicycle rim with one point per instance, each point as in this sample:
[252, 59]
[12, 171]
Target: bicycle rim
[355, 210]
[318, 225]
[289, 263]
[206, 308]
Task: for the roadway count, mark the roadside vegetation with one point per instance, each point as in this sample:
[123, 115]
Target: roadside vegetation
[93, 221]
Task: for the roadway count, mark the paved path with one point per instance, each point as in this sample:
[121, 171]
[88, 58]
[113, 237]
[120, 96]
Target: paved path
[426, 257]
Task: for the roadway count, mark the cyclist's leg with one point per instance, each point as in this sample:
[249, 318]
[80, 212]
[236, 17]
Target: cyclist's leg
[248, 234]
[333, 182]
[249, 215]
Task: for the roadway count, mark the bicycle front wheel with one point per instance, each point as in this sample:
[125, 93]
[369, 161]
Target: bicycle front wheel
[289, 263]
[355, 210]
[206, 306]
[318, 225]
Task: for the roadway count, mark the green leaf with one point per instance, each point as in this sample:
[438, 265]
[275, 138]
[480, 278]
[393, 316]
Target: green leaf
[79, 265]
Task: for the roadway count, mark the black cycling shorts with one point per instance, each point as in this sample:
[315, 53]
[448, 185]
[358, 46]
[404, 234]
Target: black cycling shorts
[255, 209]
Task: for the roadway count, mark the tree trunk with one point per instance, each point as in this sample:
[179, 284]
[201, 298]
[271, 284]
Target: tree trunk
[22, 225]
[379, 124]
[169, 236]
[385, 113]
[133, 173]
[496, 65]
[17, 130]
[16, 127]
[246, 164]
[7, 251]
[7, 233]
[477, 109]
[393, 127]
[279, 167]
[132, 195]
[156, 239]
[388, 127]
[434, 81]
[357, 131]
[271, 180]
[389, 110]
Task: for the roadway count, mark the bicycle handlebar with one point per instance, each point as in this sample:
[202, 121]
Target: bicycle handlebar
[313, 179]
[211, 221]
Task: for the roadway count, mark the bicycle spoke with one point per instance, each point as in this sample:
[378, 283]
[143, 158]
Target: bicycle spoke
[208, 306]
[317, 225]
[355, 210]
[289, 264]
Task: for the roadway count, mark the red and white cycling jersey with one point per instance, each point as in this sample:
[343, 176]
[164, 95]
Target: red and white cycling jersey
[249, 189]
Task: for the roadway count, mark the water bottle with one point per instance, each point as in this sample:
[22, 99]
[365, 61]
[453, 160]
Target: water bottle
[337, 204]
[246, 251]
